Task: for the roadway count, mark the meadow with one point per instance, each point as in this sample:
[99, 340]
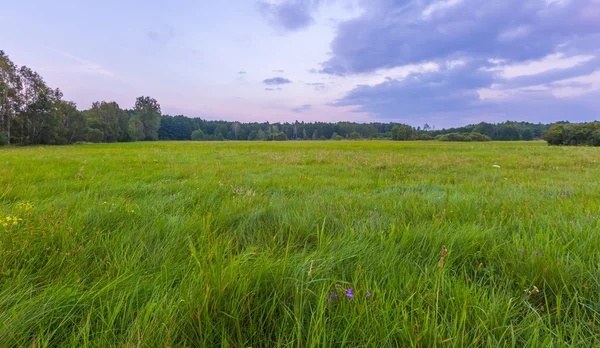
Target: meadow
[300, 244]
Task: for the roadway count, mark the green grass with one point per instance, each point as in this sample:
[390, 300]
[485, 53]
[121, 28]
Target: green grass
[239, 244]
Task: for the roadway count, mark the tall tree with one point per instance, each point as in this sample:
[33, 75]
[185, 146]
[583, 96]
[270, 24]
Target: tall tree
[10, 87]
[74, 121]
[36, 106]
[148, 112]
[106, 118]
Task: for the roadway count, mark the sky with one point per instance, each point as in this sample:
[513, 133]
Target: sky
[441, 62]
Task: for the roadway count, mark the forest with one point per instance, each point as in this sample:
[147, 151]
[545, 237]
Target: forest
[31, 112]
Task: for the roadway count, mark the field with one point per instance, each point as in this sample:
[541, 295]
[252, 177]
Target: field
[300, 244]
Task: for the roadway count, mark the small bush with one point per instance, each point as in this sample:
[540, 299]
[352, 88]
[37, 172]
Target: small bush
[3, 139]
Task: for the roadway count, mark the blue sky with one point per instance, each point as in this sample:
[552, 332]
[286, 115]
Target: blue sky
[446, 63]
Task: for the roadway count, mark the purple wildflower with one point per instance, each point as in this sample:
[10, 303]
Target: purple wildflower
[332, 294]
[350, 293]
[522, 251]
[537, 253]
[368, 294]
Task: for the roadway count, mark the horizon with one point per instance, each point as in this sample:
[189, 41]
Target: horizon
[447, 63]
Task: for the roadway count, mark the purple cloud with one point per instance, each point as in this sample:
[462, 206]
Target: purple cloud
[290, 15]
[550, 76]
[470, 41]
[450, 96]
[161, 34]
[276, 81]
[316, 85]
[395, 33]
[302, 108]
[273, 89]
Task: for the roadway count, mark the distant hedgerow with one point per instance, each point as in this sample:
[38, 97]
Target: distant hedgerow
[463, 137]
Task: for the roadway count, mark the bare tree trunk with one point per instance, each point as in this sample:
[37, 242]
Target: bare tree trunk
[72, 135]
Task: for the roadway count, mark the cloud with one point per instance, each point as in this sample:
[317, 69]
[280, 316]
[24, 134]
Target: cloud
[241, 76]
[396, 33]
[452, 94]
[290, 15]
[85, 66]
[303, 108]
[162, 33]
[447, 89]
[552, 75]
[279, 71]
[276, 81]
[273, 89]
[471, 44]
[316, 85]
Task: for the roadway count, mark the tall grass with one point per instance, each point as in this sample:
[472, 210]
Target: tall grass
[248, 244]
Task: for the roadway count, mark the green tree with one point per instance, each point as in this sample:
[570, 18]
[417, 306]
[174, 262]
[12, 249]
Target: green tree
[403, 132]
[527, 134]
[198, 135]
[95, 135]
[355, 136]
[261, 135]
[136, 129]
[148, 112]
[253, 135]
[106, 118]
[554, 135]
[74, 121]
[10, 99]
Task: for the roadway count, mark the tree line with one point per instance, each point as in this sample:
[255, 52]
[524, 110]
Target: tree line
[33, 113]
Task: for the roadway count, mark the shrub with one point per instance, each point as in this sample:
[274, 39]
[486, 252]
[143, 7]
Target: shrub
[336, 136]
[3, 139]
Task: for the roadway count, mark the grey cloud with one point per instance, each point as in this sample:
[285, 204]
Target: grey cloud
[276, 81]
[316, 85]
[550, 76]
[290, 15]
[396, 33]
[303, 108]
[162, 33]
